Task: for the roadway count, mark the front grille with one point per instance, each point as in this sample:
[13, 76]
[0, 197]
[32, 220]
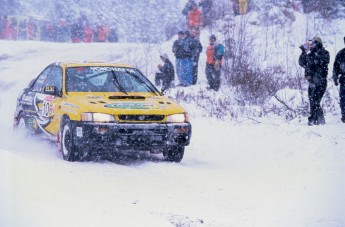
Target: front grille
[137, 131]
[141, 117]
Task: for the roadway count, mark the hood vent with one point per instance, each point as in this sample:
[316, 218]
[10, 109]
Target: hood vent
[127, 97]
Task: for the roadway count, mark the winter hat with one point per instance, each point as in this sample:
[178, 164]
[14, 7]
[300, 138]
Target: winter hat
[213, 37]
[164, 55]
[317, 39]
[180, 33]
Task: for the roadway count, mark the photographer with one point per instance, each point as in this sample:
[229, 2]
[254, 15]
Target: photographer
[339, 78]
[315, 59]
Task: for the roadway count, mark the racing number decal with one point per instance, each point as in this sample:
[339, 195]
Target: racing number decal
[47, 108]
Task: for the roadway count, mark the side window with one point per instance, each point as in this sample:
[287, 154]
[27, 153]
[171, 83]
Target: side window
[54, 79]
[40, 80]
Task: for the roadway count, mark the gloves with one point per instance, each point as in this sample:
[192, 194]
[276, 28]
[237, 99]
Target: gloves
[304, 47]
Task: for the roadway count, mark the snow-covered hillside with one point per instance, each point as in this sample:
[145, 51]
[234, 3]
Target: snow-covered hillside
[234, 173]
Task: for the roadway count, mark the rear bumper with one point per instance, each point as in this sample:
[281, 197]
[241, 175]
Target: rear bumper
[147, 136]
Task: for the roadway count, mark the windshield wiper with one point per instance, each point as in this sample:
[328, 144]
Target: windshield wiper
[143, 82]
[117, 84]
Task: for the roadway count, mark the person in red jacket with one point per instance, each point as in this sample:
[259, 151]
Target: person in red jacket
[6, 29]
[194, 20]
[88, 32]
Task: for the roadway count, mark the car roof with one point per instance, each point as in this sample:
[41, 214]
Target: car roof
[89, 63]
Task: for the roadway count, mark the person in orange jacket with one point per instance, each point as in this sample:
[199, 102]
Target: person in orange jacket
[194, 20]
[213, 65]
[103, 31]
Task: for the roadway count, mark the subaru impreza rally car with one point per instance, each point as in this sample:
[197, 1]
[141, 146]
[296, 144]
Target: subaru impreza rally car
[89, 106]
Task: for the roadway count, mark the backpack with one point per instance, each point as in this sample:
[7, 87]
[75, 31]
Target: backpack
[219, 50]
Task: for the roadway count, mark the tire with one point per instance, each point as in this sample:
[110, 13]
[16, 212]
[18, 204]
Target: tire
[22, 123]
[69, 149]
[174, 153]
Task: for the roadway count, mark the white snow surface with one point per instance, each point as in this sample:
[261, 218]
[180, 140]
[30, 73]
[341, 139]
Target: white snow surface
[233, 173]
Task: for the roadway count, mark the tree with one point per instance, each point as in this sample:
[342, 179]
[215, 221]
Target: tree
[10, 7]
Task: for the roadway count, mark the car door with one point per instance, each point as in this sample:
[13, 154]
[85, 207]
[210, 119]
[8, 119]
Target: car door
[27, 100]
[49, 100]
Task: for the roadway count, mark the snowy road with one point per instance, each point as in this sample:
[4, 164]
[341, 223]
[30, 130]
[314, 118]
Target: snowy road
[255, 175]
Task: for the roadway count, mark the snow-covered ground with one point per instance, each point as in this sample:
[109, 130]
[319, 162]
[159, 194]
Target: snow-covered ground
[233, 173]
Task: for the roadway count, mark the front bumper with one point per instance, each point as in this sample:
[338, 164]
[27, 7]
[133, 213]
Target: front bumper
[148, 136]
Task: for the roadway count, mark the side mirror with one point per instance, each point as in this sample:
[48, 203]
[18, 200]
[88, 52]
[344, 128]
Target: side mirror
[51, 90]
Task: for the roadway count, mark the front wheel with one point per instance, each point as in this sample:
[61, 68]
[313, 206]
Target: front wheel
[68, 147]
[174, 153]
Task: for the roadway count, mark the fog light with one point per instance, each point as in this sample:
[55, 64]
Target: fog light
[101, 130]
[181, 130]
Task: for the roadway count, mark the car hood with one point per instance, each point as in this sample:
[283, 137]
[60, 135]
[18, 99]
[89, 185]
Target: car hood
[120, 103]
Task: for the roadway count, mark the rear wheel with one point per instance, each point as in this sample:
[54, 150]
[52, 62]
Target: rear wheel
[174, 153]
[68, 147]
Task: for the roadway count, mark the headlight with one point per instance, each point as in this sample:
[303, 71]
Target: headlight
[177, 118]
[97, 117]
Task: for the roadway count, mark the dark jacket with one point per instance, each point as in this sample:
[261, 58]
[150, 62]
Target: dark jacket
[168, 70]
[206, 6]
[196, 48]
[315, 64]
[187, 51]
[188, 7]
[177, 48]
[339, 67]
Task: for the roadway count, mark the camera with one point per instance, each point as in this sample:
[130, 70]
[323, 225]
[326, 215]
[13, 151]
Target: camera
[305, 46]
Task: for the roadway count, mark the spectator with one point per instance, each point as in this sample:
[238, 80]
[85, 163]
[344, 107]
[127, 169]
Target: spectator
[62, 31]
[2, 27]
[6, 28]
[102, 33]
[166, 74]
[206, 6]
[177, 49]
[188, 7]
[22, 30]
[213, 65]
[315, 62]
[196, 50]
[194, 20]
[113, 37]
[32, 30]
[88, 33]
[14, 30]
[339, 78]
[240, 7]
[77, 32]
[187, 63]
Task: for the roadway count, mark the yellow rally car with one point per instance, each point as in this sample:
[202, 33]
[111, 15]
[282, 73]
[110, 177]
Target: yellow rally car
[87, 107]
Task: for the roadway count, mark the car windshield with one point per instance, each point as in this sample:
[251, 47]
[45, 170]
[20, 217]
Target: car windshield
[107, 79]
